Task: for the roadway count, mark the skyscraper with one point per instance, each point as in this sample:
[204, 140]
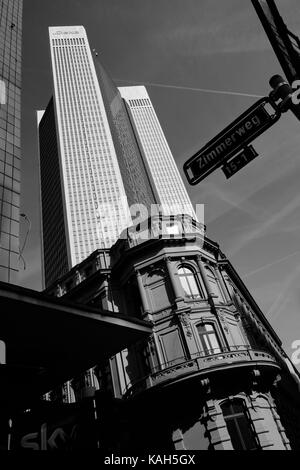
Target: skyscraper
[96, 160]
[90, 173]
[10, 117]
[171, 191]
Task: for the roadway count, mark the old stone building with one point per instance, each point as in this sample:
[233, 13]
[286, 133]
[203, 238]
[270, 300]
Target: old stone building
[213, 374]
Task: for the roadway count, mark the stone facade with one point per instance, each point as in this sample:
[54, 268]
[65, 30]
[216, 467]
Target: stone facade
[213, 374]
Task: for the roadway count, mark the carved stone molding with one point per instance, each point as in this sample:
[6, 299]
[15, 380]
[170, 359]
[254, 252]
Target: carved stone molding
[277, 380]
[211, 410]
[223, 321]
[255, 378]
[59, 291]
[206, 387]
[174, 370]
[77, 277]
[185, 321]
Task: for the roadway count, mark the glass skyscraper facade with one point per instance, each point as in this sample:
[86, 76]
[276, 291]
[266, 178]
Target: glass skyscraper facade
[10, 146]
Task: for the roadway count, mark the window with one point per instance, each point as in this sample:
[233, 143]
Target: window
[189, 283]
[208, 338]
[159, 290]
[239, 426]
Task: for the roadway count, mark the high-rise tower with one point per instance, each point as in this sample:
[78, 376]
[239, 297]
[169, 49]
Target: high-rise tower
[168, 183]
[10, 117]
[90, 173]
[96, 160]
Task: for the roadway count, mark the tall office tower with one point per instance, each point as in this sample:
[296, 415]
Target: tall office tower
[171, 191]
[96, 154]
[10, 117]
[93, 201]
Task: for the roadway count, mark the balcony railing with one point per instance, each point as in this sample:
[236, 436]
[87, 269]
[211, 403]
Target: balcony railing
[198, 362]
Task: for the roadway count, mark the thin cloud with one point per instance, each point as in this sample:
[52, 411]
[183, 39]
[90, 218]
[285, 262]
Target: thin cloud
[277, 306]
[269, 265]
[234, 201]
[265, 227]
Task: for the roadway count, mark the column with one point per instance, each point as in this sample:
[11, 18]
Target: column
[222, 284]
[217, 428]
[210, 294]
[210, 297]
[177, 290]
[143, 294]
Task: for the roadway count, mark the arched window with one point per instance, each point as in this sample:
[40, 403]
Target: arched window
[189, 283]
[239, 426]
[209, 340]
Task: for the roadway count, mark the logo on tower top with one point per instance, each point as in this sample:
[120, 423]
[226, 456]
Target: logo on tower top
[67, 30]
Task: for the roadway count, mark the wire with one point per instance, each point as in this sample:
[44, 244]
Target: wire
[202, 90]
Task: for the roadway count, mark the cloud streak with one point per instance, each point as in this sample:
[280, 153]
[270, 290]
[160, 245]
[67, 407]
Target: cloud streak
[266, 226]
[270, 265]
[277, 306]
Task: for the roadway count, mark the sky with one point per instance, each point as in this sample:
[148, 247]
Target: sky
[180, 48]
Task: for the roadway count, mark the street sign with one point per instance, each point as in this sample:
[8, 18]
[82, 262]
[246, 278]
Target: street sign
[253, 122]
[239, 161]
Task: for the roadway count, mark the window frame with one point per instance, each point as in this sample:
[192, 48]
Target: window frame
[234, 417]
[203, 347]
[201, 292]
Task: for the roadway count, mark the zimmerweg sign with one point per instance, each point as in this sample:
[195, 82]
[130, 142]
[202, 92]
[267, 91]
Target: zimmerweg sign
[259, 117]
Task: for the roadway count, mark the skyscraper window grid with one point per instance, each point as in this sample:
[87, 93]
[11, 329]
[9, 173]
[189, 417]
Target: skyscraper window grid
[10, 153]
[165, 174]
[80, 110]
[99, 161]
